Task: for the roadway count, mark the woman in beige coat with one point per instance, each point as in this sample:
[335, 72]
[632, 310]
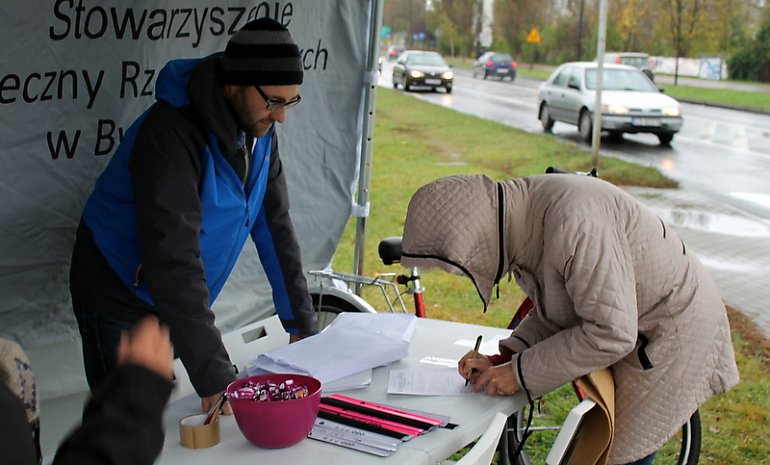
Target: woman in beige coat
[612, 285]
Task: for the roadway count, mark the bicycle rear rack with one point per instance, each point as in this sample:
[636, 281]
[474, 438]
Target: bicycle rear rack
[385, 282]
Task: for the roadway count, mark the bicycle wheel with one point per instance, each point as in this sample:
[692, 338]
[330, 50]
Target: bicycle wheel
[550, 412]
[682, 449]
[327, 308]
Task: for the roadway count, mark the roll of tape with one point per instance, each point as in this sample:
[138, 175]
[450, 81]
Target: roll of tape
[194, 435]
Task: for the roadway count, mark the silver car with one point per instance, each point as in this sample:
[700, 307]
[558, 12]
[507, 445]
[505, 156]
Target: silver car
[630, 102]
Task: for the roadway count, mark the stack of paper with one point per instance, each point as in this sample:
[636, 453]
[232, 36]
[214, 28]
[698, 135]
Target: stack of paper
[350, 347]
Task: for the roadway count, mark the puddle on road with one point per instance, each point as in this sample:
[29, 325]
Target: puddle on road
[713, 222]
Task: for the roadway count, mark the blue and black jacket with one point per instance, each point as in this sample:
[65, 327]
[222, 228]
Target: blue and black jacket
[171, 212]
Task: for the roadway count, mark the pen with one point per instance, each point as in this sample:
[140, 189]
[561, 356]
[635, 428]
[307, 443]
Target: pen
[475, 354]
[214, 410]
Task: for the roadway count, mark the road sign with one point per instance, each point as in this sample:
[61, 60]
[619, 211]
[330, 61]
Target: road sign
[385, 32]
[533, 36]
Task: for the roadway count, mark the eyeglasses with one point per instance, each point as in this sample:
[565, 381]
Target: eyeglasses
[272, 104]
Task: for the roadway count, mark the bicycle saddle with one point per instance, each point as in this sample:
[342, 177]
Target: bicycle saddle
[390, 250]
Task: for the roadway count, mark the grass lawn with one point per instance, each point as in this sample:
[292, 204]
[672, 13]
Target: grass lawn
[731, 98]
[416, 142]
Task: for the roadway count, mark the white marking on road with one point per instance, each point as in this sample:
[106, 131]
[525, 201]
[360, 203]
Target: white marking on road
[711, 129]
[760, 199]
[710, 143]
[741, 139]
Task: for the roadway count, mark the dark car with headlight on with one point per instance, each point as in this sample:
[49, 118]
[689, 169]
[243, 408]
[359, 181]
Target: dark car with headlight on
[417, 68]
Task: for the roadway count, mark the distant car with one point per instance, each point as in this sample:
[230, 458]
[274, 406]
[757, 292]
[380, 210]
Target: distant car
[638, 60]
[493, 64]
[394, 52]
[416, 68]
[630, 102]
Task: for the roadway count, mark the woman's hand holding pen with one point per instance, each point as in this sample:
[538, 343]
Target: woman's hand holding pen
[473, 364]
[496, 380]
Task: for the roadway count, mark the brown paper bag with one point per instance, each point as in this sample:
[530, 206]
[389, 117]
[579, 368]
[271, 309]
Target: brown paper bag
[594, 437]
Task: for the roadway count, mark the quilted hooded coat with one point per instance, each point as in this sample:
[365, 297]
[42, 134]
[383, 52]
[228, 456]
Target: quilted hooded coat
[613, 286]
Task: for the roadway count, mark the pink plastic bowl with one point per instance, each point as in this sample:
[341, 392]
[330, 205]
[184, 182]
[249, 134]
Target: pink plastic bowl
[276, 424]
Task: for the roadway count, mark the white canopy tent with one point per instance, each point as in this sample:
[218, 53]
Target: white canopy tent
[75, 73]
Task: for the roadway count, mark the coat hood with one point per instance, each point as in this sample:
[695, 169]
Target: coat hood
[454, 224]
[195, 82]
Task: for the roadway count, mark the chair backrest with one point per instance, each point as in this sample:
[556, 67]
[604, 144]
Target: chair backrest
[243, 345]
[481, 453]
[182, 384]
[563, 445]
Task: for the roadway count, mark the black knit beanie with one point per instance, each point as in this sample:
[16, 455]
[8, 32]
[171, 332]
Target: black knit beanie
[261, 53]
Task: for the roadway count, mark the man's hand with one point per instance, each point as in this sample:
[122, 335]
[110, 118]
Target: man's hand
[297, 337]
[148, 345]
[208, 402]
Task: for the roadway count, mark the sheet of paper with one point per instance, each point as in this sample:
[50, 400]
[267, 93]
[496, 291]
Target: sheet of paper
[336, 353]
[358, 380]
[355, 381]
[488, 346]
[428, 382]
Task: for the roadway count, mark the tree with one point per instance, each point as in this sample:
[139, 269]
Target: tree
[447, 36]
[405, 17]
[512, 21]
[684, 16]
[753, 62]
[456, 17]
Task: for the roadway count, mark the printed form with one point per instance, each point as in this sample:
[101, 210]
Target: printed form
[429, 382]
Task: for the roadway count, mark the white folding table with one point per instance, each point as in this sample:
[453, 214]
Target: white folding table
[433, 341]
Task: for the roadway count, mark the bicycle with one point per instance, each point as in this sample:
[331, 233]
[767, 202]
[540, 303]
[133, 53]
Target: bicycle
[330, 298]
[334, 294]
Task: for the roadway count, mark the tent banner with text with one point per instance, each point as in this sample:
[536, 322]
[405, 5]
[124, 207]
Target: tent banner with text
[73, 76]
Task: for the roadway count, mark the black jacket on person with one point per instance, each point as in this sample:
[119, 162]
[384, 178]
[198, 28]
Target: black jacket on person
[171, 141]
[122, 423]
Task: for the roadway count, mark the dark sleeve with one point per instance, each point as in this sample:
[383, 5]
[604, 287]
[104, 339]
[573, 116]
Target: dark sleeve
[17, 444]
[279, 248]
[504, 356]
[166, 169]
[122, 423]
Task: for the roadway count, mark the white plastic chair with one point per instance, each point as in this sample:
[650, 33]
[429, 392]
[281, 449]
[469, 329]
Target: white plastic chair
[182, 384]
[481, 453]
[568, 433]
[243, 345]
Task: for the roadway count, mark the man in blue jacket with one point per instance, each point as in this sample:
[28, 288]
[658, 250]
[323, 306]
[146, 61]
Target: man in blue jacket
[195, 176]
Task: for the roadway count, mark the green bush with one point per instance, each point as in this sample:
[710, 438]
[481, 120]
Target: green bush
[753, 62]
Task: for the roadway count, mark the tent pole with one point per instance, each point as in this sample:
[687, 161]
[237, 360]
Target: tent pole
[365, 164]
